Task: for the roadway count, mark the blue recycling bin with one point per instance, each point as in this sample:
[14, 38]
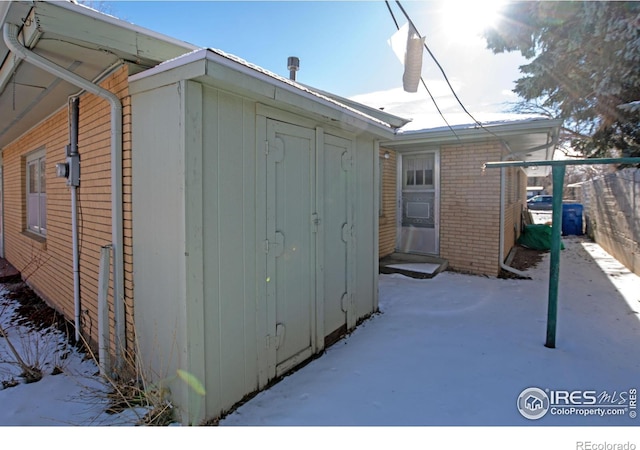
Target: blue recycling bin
[572, 219]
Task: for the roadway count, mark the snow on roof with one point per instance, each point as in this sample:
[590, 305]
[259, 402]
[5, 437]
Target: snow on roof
[512, 120]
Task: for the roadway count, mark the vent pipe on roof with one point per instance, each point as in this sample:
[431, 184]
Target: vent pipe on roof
[293, 64]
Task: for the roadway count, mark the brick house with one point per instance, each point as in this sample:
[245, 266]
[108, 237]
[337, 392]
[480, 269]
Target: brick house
[437, 200]
[172, 138]
[52, 52]
[185, 157]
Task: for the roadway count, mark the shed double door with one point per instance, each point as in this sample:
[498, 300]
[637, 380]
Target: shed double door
[308, 230]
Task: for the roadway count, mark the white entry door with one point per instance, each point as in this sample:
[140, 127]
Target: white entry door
[419, 204]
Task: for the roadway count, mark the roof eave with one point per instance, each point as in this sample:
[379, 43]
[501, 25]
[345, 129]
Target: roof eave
[391, 119]
[219, 70]
[107, 18]
[469, 134]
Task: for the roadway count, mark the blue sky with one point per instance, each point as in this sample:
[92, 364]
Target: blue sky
[343, 47]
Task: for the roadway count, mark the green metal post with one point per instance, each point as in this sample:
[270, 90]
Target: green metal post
[558, 169]
[554, 271]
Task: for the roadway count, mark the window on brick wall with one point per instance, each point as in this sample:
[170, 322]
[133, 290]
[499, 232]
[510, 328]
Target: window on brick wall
[36, 193]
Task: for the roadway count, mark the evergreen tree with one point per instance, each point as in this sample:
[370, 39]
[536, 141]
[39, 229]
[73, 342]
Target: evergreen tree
[583, 67]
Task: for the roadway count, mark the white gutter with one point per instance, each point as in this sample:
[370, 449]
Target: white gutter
[10, 33]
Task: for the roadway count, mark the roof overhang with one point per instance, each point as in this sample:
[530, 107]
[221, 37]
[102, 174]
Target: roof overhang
[224, 71]
[391, 119]
[525, 140]
[77, 38]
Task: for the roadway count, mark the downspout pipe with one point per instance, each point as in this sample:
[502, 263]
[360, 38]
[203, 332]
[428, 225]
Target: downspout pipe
[10, 36]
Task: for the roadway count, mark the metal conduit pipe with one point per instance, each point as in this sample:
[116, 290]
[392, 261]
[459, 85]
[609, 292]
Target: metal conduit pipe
[74, 105]
[10, 36]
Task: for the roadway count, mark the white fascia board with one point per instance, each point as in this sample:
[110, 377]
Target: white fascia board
[186, 67]
[92, 13]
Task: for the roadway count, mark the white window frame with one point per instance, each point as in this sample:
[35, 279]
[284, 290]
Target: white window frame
[37, 224]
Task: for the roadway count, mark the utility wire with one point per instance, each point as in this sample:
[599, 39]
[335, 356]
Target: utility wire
[421, 79]
[443, 73]
[392, 15]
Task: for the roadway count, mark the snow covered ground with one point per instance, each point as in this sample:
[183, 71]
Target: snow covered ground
[455, 350]
[458, 350]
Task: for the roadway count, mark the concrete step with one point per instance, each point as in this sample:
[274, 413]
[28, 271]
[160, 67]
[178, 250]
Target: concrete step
[414, 266]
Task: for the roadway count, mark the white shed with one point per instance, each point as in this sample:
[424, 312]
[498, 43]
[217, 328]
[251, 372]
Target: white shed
[255, 224]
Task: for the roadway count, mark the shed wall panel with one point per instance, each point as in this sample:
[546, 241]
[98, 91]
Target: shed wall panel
[336, 218]
[158, 226]
[229, 242]
[366, 293]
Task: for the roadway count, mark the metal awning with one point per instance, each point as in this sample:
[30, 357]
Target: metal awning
[526, 140]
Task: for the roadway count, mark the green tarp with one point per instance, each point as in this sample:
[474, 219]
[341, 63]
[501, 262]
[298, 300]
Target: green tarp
[537, 237]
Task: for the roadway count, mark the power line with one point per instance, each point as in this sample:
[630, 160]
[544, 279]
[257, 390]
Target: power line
[444, 74]
[421, 79]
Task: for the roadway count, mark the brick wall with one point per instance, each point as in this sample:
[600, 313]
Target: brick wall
[46, 263]
[469, 207]
[515, 200]
[387, 233]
